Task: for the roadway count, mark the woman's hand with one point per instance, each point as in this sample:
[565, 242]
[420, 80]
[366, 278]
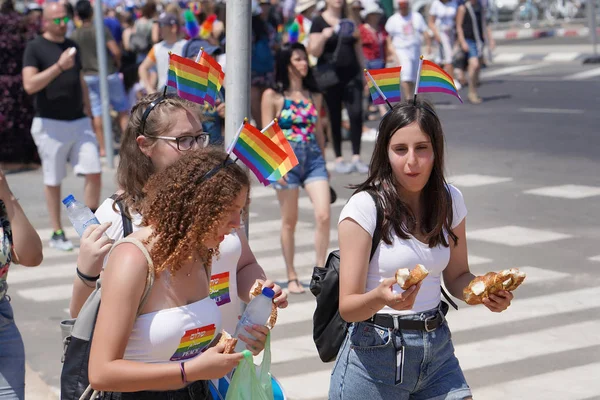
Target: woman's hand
[212, 364]
[94, 246]
[280, 298]
[283, 180]
[397, 301]
[464, 46]
[498, 302]
[260, 333]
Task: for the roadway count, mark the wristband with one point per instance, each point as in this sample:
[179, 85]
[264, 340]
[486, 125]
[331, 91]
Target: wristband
[86, 277]
[183, 375]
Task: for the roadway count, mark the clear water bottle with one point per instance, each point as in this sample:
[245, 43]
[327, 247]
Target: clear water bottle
[256, 313]
[79, 214]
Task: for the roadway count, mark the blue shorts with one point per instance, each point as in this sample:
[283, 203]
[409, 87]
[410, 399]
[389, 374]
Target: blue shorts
[116, 90]
[311, 166]
[366, 364]
[473, 51]
[12, 354]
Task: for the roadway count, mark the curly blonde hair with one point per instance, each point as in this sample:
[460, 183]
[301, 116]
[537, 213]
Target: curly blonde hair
[185, 209]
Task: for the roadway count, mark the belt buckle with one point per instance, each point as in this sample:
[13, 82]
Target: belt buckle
[427, 329]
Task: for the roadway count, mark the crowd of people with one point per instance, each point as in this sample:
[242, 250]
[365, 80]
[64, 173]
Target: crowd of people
[307, 71]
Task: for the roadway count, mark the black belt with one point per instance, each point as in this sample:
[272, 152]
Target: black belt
[430, 324]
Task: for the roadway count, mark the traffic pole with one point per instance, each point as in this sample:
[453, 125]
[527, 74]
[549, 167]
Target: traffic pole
[591, 7]
[237, 69]
[103, 76]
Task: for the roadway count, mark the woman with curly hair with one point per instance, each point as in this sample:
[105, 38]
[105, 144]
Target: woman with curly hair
[160, 131]
[163, 350]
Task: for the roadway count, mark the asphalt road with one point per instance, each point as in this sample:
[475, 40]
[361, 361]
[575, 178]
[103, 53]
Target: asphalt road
[527, 161]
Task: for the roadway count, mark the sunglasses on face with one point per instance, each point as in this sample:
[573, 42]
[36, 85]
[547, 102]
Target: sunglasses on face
[57, 21]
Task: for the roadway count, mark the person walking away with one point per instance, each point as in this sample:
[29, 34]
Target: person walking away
[442, 22]
[19, 244]
[17, 149]
[296, 103]
[325, 32]
[85, 37]
[470, 27]
[61, 129]
[159, 54]
[407, 30]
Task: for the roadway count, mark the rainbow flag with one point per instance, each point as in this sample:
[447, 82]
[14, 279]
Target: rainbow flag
[193, 342]
[274, 132]
[258, 152]
[434, 79]
[215, 77]
[388, 80]
[189, 78]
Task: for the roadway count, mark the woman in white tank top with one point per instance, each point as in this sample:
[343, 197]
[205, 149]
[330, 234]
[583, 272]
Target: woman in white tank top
[399, 345]
[165, 352]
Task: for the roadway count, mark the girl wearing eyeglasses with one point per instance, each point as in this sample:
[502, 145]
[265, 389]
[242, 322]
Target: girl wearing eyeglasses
[160, 131]
[157, 345]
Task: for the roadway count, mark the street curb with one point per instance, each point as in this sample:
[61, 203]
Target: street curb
[36, 388]
[519, 34]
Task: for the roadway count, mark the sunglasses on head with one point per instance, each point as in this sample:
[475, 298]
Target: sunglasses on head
[57, 21]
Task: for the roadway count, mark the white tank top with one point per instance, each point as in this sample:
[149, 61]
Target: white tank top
[174, 334]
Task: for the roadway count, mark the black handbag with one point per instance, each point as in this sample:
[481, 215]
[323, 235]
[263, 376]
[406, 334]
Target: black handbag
[329, 329]
[325, 74]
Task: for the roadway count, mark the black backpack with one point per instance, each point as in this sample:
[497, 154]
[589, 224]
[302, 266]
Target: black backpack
[329, 329]
[77, 338]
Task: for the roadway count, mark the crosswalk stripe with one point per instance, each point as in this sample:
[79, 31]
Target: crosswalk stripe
[508, 57]
[511, 70]
[47, 293]
[277, 263]
[583, 75]
[303, 237]
[306, 386]
[27, 275]
[562, 56]
[46, 233]
[259, 228]
[571, 383]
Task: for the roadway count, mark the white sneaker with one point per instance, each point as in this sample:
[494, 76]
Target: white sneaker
[60, 242]
[370, 135]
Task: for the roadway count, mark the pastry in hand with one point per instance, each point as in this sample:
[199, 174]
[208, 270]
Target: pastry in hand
[273, 318]
[407, 278]
[227, 340]
[482, 286]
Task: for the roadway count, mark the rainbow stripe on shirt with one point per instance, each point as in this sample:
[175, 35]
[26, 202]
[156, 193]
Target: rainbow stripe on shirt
[219, 288]
[194, 342]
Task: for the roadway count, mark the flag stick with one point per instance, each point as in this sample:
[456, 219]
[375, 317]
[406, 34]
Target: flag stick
[236, 137]
[378, 89]
[199, 54]
[418, 80]
[270, 125]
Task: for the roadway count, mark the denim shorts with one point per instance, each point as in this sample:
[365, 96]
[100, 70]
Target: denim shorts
[311, 166]
[473, 51]
[116, 91]
[12, 355]
[366, 364]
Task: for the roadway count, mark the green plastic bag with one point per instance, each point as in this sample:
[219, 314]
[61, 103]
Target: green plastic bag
[250, 382]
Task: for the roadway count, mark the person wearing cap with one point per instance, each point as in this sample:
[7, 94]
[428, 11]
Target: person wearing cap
[34, 15]
[159, 54]
[307, 9]
[407, 30]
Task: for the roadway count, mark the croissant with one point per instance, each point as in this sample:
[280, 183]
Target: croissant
[482, 286]
[227, 340]
[406, 278]
[273, 318]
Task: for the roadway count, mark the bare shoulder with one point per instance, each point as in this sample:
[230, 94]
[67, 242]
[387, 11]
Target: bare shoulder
[271, 95]
[127, 260]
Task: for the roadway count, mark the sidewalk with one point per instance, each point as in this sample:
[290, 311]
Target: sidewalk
[36, 388]
[542, 32]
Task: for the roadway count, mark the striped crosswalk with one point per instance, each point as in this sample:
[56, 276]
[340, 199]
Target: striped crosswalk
[545, 346]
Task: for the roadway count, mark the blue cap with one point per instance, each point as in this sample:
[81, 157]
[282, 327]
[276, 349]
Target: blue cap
[268, 292]
[69, 199]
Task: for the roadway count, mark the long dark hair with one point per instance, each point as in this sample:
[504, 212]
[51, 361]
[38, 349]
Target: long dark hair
[436, 216]
[283, 61]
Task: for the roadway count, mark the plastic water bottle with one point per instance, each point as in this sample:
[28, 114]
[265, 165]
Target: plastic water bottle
[79, 214]
[256, 313]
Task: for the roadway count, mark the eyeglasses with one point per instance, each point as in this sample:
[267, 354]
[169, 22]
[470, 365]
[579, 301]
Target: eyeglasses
[185, 143]
[57, 21]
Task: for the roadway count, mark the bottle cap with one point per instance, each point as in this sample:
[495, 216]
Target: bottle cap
[69, 199]
[268, 292]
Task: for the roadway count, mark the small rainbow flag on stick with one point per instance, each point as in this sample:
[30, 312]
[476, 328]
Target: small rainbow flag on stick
[257, 151]
[384, 85]
[432, 79]
[215, 77]
[274, 132]
[189, 78]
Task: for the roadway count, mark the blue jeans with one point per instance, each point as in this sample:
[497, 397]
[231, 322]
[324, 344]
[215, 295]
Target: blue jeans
[366, 364]
[311, 166]
[12, 355]
[116, 91]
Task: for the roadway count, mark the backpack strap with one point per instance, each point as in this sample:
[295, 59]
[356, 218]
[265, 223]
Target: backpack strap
[127, 225]
[150, 276]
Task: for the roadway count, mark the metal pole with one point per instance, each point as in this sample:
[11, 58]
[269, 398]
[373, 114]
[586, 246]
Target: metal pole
[103, 75]
[593, 33]
[237, 68]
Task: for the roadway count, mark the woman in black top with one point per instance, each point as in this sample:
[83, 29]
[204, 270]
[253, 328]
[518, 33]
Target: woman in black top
[322, 44]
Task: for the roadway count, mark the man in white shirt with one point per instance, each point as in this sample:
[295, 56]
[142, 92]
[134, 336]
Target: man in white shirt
[406, 30]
